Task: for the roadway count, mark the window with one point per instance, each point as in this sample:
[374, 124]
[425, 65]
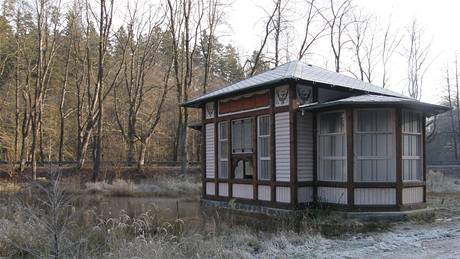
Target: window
[243, 168]
[263, 147]
[242, 136]
[332, 147]
[411, 146]
[374, 148]
[223, 150]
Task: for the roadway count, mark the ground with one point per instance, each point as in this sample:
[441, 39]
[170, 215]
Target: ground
[156, 214]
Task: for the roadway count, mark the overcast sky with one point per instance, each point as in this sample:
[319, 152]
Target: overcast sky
[440, 19]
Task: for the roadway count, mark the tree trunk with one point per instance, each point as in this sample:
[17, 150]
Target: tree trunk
[141, 160]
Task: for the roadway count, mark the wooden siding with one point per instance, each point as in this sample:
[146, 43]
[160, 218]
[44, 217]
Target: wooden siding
[375, 196]
[264, 193]
[243, 103]
[412, 195]
[304, 147]
[210, 189]
[283, 194]
[223, 189]
[332, 195]
[282, 147]
[210, 151]
[305, 194]
[244, 191]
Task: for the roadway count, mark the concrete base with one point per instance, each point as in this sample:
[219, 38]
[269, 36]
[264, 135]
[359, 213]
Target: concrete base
[425, 213]
[250, 209]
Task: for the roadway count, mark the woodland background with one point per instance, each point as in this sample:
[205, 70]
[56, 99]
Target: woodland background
[101, 81]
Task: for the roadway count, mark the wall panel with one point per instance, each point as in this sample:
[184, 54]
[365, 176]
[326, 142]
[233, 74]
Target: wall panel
[223, 189]
[282, 147]
[210, 151]
[243, 191]
[304, 147]
[210, 189]
[305, 194]
[283, 194]
[264, 192]
[332, 195]
[375, 196]
[412, 195]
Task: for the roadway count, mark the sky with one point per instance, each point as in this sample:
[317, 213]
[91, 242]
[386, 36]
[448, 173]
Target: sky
[440, 20]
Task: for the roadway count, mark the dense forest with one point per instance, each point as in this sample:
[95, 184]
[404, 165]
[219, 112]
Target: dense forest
[84, 81]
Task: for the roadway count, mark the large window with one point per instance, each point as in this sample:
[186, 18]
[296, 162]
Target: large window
[242, 136]
[411, 146]
[374, 148]
[242, 150]
[263, 147]
[332, 147]
[223, 150]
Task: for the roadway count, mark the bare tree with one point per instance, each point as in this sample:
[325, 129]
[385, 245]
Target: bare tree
[184, 32]
[337, 18]
[417, 63]
[143, 41]
[214, 18]
[46, 50]
[311, 34]
[452, 117]
[254, 64]
[391, 41]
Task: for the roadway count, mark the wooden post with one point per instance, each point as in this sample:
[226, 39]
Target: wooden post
[293, 105]
[254, 158]
[272, 147]
[424, 155]
[350, 158]
[216, 150]
[203, 150]
[315, 147]
[398, 137]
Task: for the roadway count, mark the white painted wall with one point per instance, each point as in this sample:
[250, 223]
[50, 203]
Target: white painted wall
[264, 192]
[210, 151]
[223, 189]
[412, 195]
[304, 146]
[375, 196]
[282, 147]
[243, 191]
[283, 194]
[210, 189]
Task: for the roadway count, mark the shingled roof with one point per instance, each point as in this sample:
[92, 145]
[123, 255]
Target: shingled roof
[296, 70]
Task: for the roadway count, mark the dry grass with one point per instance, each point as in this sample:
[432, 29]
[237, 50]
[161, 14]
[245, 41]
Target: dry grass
[438, 182]
[161, 187]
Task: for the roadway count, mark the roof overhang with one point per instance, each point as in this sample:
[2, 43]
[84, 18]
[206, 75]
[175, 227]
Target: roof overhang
[378, 100]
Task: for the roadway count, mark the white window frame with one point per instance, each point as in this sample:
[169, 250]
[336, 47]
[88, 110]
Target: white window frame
[220, 142]
[420, 135]
[391, 157]
[333, 158]
[259, 156]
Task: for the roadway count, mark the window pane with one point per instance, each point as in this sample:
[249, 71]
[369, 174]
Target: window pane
[374, 149]
[264, 169]
[239, 170]
[332, 147]
[242, 136]
[332, 122]
[411, 146]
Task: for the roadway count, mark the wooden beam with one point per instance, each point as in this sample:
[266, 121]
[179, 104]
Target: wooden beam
[350, 157]
[203, 151]
[424, 155]
[272, 147]
[216, 150]
[293, 105]
[398, 137]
